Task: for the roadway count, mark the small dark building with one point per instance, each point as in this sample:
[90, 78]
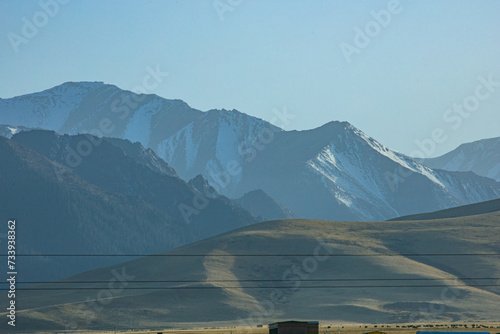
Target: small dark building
[294, 327]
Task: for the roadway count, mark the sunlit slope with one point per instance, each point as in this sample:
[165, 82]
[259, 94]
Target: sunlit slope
[226, 282]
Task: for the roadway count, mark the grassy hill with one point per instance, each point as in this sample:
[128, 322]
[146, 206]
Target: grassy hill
[218, 286]
[460, 211]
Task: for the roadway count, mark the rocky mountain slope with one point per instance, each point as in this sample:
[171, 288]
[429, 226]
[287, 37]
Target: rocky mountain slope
[126, 191]
[262, 205]
[61, 213]
[333, 172]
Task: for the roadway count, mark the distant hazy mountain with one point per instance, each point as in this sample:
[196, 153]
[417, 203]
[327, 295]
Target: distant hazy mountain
[97, 107]
[262, 205]
[481, 157]
[221, 287]
[128, 172]
[110, 167]
[191, 141]
[332, 172]
[60, 213]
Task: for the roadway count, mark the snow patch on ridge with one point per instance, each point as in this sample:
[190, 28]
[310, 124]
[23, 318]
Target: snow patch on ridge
[349, 177]
[225, 149]
[401, 159]
[13, 131]
[139, 126]
[183, 141]
[49, 109]
[191, 148]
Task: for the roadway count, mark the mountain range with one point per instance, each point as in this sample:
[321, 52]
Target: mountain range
[332, 172]
[121, 199]
[223, 205]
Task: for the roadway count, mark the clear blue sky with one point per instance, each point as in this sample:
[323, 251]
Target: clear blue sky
[267, 55]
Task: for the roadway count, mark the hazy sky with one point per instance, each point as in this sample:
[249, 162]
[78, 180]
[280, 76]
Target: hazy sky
[397, 79]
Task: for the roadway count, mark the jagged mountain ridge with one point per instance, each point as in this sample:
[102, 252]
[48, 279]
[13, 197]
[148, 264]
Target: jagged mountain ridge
[61, 213]
[109, 167]
[132, 175]
[360, 179]
[145, 156]
[332, 172]
[203, 186]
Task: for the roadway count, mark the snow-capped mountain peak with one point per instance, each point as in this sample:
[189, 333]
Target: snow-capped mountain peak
[335, 171]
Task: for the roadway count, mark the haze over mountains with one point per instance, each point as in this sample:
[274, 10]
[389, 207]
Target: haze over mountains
[137, 172]
[121, 199]
[106, 171]
[332, 172]
[482, 157]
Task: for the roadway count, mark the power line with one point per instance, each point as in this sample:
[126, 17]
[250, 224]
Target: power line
[250, 255]
[263, 287]
[267, 280]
